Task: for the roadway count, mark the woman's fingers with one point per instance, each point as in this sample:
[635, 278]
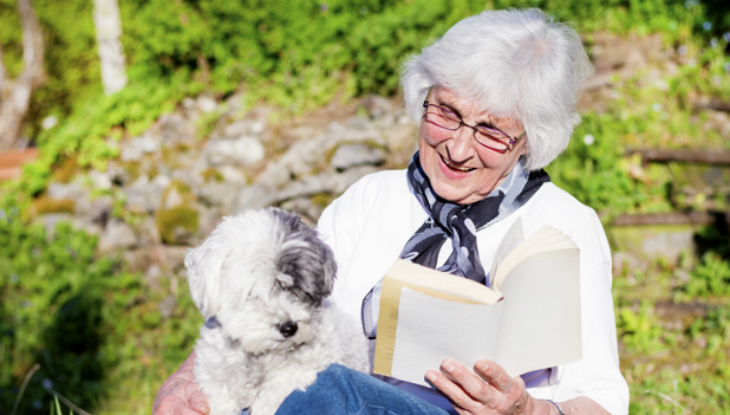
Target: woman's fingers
[462, 387]
[180, 395]
[494, 374]
[197, 398]
[180, 398]
[490, 391]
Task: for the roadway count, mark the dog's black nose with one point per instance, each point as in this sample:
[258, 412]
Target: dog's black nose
[288, 329]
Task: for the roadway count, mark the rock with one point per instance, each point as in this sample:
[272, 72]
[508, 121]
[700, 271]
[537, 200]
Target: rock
[117, 236]
[209, 219]
[176, 129]
[329, 182]
[206, 104]
[147, 233]
[189, 104]
[100, 180]
[69, 191]
[257, 127]
[143, 195]
[220, 194]
[244, 151]
[96, 210]
[236, 129]
[231, 174]
[255, 197]
[172, 198]
[118, 175]
[378, 107]
[174, 257]
[304, 207]
[402, 141]
[138, 147]
[351, 155]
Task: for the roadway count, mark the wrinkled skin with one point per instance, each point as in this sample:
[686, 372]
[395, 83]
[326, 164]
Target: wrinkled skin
[489, 390]
[180, 395]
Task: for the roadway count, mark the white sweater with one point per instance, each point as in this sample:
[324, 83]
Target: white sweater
[370, 223]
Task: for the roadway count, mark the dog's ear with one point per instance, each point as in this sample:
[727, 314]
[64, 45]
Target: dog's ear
[305, 263]
[204, 265]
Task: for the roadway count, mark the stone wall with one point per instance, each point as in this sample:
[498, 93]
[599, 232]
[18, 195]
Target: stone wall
[170, 187]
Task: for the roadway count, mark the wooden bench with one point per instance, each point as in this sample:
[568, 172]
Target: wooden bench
[12, 161]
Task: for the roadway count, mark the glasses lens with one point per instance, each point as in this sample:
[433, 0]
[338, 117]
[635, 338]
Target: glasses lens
[442, 117]
[492, 138]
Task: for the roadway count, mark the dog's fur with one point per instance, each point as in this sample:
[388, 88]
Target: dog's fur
[260, 281]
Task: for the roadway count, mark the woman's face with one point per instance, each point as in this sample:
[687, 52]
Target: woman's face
[460, 169]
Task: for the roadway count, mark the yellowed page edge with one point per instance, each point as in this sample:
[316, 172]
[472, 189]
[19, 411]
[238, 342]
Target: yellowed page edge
[441, 284]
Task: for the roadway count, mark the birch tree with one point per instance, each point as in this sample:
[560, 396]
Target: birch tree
[108, 32]
[15, 94]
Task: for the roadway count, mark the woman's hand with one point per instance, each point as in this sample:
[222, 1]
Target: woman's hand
[180, 395]
[490, 391]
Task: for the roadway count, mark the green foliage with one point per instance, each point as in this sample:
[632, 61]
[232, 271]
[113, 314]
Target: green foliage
[176, 223]
[92, 326]
[674, 356]
[56, 407]
[710, 278]
[593, 168]
[640, 329]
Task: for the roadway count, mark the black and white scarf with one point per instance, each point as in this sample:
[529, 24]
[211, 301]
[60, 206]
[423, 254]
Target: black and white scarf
[458, 223]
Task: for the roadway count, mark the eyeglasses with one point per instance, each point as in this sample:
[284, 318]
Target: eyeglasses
[486, 136]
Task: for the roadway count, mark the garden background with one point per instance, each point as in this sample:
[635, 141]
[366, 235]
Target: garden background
[94, 308]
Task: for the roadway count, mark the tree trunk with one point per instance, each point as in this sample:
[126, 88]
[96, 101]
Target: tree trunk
[108, 32]
[15, 95]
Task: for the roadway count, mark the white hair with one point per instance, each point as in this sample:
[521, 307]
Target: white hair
[515, 63]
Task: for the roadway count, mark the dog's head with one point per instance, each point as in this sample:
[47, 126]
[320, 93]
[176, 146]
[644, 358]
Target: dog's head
[263, 275]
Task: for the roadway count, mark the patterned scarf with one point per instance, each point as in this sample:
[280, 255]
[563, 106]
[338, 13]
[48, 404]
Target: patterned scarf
[448, 220]
[459, 223]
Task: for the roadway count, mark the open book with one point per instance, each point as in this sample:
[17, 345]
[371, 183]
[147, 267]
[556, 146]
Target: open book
[528, 320]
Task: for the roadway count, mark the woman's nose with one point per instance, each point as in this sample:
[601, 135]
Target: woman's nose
[461, 145]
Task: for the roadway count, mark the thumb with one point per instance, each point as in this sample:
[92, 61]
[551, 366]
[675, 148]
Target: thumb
[202, 407]
[198, 400]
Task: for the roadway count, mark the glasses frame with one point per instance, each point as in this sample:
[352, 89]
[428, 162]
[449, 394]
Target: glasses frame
[497, 132]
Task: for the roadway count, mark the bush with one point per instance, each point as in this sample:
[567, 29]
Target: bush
[92, 326]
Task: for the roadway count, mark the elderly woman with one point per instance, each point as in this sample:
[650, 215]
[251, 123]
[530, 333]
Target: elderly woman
[495, 98]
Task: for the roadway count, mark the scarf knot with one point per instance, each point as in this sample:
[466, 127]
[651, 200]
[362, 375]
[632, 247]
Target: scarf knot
[459, 223]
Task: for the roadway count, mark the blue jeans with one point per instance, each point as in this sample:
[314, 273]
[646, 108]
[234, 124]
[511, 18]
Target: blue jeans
[342, 391]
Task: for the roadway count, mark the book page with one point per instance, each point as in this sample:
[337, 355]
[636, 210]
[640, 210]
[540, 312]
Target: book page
[440, 284]
[427, 315]
[429, 281]
[546, 239]
[431, 329]
[515, 235]
[541, 320]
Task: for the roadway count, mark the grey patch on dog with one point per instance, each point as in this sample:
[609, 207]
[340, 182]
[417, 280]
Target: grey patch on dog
[306, 258]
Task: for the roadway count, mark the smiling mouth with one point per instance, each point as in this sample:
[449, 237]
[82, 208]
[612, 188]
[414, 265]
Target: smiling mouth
[456, 168]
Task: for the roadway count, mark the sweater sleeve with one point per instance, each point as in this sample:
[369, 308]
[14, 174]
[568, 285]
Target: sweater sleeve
[597, 375]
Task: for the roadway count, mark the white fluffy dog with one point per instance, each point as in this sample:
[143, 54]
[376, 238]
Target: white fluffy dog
[260, 280]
